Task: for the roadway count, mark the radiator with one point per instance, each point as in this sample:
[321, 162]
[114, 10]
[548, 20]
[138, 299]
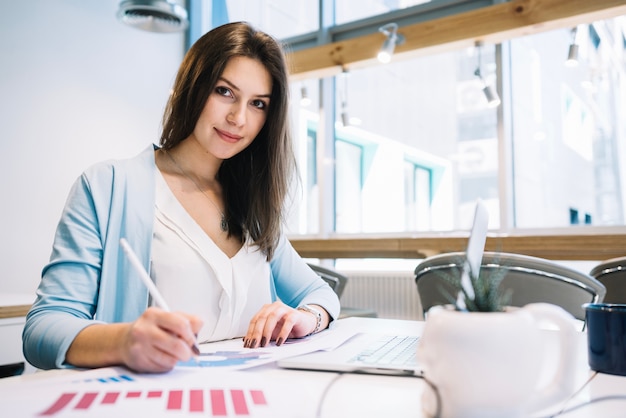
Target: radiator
[391, 294]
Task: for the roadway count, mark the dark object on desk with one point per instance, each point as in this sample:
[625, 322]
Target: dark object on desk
[612, 274]
[529, 279]
[606, 337]
[338, 282]
[11, 370]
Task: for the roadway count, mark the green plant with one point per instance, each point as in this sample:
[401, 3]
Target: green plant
[484, 294]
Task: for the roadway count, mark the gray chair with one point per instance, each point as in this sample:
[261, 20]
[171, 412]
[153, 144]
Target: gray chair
[530, 279]
[337, 282]
[612, 274]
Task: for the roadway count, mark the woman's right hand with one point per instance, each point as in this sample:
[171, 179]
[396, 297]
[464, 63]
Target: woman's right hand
[157, 340]
[154, 342]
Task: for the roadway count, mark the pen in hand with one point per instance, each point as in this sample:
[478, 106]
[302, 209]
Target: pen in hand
[154, 292]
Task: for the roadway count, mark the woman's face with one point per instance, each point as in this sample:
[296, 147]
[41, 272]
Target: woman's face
[236, 109]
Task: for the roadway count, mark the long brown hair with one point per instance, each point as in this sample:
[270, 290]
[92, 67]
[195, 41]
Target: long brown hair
[255, 182]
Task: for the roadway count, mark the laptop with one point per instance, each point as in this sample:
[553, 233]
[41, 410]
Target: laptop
[475, 250]
[380, 353]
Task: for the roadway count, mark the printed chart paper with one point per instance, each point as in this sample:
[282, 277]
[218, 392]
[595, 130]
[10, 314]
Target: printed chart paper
[215, 386]
[231, 355]
[115, 392]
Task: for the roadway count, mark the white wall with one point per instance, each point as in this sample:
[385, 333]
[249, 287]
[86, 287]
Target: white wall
[76, 87]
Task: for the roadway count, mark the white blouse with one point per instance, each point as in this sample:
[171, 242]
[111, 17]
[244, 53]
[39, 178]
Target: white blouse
[195, 276]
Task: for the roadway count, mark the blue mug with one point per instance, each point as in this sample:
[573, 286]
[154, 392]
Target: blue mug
[606, 337]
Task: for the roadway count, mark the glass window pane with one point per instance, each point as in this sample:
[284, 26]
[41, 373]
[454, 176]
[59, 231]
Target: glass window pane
[349, 163]
[351, 10]
[569, 128]
[280, 18]
[416, 142]
[417, 183]
[432, 113]
[304, 212]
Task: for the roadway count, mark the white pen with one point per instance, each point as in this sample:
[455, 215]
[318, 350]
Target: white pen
[145, 278]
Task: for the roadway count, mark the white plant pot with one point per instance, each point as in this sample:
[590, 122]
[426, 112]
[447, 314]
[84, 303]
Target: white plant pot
[489, 364]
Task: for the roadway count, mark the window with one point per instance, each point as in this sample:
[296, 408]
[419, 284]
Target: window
[280, 18]
[566, 128]
[351, 207]
[410, 145]
[417, 195]
[414, 140]
[351, 10]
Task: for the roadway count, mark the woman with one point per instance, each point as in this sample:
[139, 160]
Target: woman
[203, 212]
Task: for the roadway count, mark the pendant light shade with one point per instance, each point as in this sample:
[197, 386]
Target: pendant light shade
[153, 15]
[572, 52]
[493, 100]
[572, 56]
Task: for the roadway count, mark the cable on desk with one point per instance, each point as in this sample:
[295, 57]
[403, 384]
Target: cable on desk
[565, 411]
[575, 394]
[318, 413]
[558, 414]
[437, 396]
[592, 401]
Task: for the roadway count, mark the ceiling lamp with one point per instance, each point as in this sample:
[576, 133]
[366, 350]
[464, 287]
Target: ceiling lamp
[493, 100]
[572, 53]
[305, 100]
[345, 117]
[153, 15]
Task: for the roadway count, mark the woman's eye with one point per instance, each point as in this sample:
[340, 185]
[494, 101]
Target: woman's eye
[223, 91]
[260, 104]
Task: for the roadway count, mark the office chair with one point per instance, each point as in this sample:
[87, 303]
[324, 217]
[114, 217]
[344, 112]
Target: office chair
[612, 274]
[530, 279]
[337, 282]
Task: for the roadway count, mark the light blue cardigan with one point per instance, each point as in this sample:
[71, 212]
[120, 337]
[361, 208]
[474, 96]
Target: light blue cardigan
[88, 278]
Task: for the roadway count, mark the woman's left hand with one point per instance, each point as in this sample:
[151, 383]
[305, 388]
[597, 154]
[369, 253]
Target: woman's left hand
[278, 322]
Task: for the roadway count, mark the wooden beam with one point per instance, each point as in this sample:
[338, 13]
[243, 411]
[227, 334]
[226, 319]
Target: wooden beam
[14, 311]
[586, 247]
[492, 24]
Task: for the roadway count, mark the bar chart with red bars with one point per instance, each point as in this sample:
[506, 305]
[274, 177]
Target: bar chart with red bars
[216, 402]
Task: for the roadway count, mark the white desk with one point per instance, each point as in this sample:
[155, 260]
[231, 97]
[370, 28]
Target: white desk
[601, 386]
[13, 310]
[348, 395]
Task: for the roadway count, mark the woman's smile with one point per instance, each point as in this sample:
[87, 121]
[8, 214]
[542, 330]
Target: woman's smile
[228, 137]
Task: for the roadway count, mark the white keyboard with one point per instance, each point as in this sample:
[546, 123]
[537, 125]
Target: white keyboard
[390, 350]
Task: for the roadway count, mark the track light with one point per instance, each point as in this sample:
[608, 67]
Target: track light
[572, 53]
[305, 100]
[493, 100]
[572, 56]
[393, 38]
[345, 118]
